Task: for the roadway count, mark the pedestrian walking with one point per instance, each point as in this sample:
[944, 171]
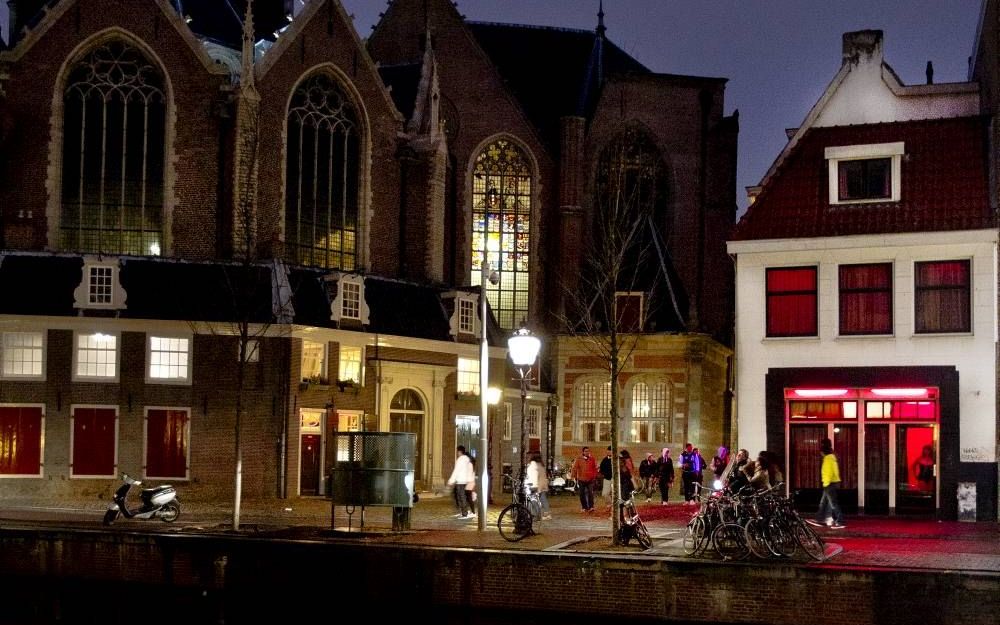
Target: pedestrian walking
[538, 480]
[605, 471]
[665, 469]
[461, 475]
[829, 512]
[584, 472]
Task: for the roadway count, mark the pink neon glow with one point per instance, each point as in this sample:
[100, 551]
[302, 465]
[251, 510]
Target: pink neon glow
[820, 392]
[900, 392]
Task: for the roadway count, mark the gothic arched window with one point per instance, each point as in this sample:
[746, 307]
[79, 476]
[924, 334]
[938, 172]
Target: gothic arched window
[114, 129]
[631, 180]
[650, 414]
[322, 176]
[592, 411]
[501, 219]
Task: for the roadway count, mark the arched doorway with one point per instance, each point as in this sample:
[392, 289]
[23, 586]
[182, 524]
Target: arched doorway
[406, 414]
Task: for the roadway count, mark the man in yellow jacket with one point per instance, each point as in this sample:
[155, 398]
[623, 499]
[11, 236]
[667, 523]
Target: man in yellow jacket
[829, 512]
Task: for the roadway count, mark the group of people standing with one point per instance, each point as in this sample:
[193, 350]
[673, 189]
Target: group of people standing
[652, 470]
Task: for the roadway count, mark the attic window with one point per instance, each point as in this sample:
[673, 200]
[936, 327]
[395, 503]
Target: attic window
[349, 303]
[865, 173]
[100, 287]
[466, 316]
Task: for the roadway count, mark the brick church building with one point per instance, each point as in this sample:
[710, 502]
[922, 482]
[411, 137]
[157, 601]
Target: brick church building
[209, 209]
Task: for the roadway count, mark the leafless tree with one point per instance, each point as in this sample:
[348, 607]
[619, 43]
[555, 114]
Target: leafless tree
[623, 246]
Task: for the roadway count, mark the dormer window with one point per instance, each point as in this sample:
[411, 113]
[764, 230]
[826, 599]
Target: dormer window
[865, 173]
[466, 316]
[100, 287]
[349, 303]
[464, 319]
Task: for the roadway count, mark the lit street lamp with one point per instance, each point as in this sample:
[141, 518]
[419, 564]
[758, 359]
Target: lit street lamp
[484, 380]
[523, 347]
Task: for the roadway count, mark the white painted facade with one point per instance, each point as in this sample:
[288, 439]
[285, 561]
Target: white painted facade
[972, 354]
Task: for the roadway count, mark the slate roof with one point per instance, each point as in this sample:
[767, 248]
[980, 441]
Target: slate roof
[549, 69]
[944, 184]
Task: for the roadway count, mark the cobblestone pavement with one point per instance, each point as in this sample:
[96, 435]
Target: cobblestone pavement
[867, 541]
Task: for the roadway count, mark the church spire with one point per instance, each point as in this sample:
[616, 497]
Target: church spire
[600, 19]
[247, 56]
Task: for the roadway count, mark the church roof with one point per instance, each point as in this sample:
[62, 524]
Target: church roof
[221, 21]
[404, 81]
[550, 69]
[944, 184]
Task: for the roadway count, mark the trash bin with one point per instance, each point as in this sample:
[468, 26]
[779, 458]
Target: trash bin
[967, 501]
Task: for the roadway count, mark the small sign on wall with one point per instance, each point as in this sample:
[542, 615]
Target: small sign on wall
[967, 501]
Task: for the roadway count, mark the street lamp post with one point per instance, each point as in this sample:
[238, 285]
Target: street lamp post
[523, 347]
[484, 379]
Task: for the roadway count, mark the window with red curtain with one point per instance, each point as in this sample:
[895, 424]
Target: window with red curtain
[806, 458]
[866, 299]
[93, 442]
[791, 302]
[942, 297]
[864, 179]
[167, 443]
[20, 440]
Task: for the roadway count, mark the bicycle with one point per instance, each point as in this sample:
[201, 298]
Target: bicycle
[517, 521]
[632, 526]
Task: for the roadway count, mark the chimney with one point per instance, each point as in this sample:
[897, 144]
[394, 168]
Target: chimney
[863, 46]
[930, 73]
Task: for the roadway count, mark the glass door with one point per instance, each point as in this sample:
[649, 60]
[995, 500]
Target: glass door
[845, 447]
[916, 469]
[877, 468]
[805, 460]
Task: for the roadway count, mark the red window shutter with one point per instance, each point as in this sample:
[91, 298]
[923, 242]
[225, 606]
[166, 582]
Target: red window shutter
[166, 443]
[20, 440]
[93, 441]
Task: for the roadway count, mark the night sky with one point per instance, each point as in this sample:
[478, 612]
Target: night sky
[779, 55]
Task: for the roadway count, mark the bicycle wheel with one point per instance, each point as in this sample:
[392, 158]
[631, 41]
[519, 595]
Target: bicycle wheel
[756, 538]
[729, 541]
[535, 508]
[810, 541]
[642, 535]
[694, 536]
[781, 541]
[514, 522]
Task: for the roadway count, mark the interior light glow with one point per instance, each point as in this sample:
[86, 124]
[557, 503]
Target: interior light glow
[900, 392]
[820, 392]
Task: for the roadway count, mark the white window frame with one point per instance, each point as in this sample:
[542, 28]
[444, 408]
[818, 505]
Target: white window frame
[4, 375]
[533, 422]
[145, 443]
[836, 154]
[84, 294]
[77, 376]
[41, 443]
[338, 305]
[324, 366]
[465, 309]
[464, 375]
[344, 349]
[72, 436]
[186, 380]
[508, 411]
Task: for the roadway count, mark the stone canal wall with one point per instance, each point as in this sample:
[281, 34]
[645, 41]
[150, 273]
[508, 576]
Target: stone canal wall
[79, 575]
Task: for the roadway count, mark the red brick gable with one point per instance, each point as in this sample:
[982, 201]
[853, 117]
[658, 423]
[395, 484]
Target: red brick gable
[944, 184]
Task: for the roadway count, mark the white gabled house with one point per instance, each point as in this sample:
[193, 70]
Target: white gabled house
[866, 297]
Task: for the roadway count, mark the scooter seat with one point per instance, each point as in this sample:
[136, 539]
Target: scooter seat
[148, 492]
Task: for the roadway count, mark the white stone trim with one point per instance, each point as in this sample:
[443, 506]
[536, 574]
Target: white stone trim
[836, 154]
[81, 295]
[337, 305]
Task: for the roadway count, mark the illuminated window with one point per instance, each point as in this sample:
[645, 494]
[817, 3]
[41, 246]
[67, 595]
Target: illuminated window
[314, 362]
[96, 356]
[350, 364]
[168, 436]
[21, 440]
[942, 297]
[322, 176]
[114, 129]
[168, 359]
[791, 302]
[822, 410]
[866, 299]
[502, 189]
[650, 416]
[23, 355]
[592, 410]
[468, 376]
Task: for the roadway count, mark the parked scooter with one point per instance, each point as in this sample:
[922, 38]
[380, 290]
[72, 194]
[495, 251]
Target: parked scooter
[159, 502]
[561, 482]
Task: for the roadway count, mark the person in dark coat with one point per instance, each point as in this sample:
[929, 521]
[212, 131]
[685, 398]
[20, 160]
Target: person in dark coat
[665, 469]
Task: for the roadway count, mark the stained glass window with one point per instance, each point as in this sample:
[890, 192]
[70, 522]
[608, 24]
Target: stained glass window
[501, 199]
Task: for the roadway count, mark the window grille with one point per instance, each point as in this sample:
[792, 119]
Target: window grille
[313, 362]
[650, 416]
[350, 364]
[322, 176]
[593, 411]
[114, 128]
[468, 375]
[352, 300]
[501, 216]
[22, 354]
[99, 287]
[96, 355]
[168, 358]
[466, 316]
